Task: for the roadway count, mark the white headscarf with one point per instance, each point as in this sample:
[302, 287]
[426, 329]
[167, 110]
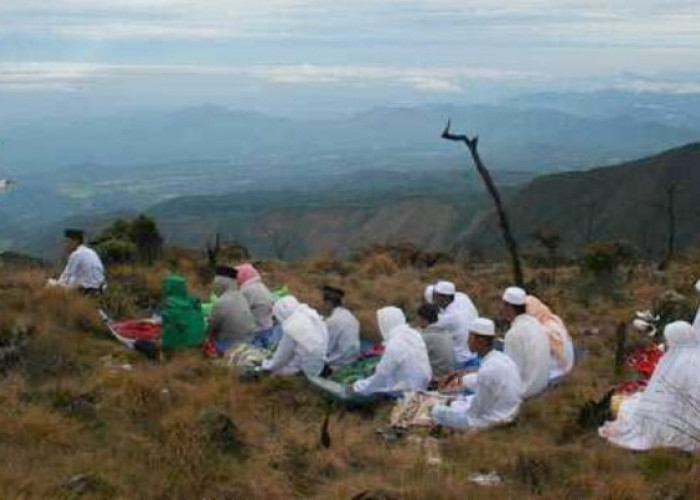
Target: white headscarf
[667, 413]
[285, 307]
[388, 318]
[395, 330]
[302, 323]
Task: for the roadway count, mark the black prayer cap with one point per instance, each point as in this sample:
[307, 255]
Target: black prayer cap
[332, 293]
[74, 234]
[227, 271]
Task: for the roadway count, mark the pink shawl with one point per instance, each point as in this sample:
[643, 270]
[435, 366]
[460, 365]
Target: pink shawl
[246, 273]
[552, 325]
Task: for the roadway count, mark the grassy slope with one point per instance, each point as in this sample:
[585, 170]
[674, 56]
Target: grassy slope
[137, 440]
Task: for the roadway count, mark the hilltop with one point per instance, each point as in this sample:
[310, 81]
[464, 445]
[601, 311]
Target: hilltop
[82, 417]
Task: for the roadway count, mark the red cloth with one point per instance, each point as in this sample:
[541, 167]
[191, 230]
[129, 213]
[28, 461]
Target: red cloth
[375, 350]
[137, 329]
[209, 349]
[643, 362]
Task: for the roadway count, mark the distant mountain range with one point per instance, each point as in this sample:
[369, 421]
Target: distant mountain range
[88, 169]
[450, 211]
[515, 137]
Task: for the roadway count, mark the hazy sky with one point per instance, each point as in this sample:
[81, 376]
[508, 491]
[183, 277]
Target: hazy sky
[291, 54]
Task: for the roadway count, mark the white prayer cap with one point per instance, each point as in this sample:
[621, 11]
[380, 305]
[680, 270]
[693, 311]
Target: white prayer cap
[697, 285]
[445, 288]
[428, 294]
[515, 295]
[483, 326]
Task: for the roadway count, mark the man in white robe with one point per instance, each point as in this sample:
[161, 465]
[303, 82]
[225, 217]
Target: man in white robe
[343, 329]
[456, 315]
[497, 386]
[404, 365]
[84, 270]
[526, 342]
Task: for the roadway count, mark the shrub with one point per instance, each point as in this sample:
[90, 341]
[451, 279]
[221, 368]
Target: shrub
[126, 242]
[601, 266]
[114, 251]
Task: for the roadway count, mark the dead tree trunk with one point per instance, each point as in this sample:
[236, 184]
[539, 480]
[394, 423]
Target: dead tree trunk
[510, 242]
[213, 251]
[671, 218]
[620, 347]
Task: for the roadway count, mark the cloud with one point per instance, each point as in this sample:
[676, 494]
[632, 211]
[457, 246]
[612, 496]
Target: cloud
[114, 31]
[525, 22]
[658, 86]
[72, 76]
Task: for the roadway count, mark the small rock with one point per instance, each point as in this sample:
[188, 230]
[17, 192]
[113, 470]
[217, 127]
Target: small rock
[488, 479]
[88, 484]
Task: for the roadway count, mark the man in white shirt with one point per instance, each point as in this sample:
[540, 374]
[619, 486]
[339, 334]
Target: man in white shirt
[455, 317]
[84, 270]
[526, 342]
[343, 329]
[497, 386]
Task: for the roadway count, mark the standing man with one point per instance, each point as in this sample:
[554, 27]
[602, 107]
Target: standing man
[343, 329]
[455, 317]
[525, 342]
[84, 270]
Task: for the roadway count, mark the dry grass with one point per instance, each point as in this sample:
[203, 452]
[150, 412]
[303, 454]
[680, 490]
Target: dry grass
[71, 409]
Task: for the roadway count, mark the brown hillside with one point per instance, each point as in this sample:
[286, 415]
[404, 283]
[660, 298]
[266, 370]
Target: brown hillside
[628, 201]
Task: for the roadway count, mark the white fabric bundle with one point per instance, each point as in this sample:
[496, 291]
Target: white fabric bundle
[667, 413]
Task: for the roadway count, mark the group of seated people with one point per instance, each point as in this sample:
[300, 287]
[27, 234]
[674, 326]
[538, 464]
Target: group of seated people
[451, 342]
[450, 348]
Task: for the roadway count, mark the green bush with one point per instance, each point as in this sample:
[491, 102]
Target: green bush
[114, 251]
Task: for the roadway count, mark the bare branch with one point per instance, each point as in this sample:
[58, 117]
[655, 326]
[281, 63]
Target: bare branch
[495, 196]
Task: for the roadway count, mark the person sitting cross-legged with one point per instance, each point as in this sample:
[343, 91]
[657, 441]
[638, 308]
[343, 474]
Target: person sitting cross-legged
[439, 343]
[404, 366]
[231, 322]
[84, 270]
[343, 329]
[455, 313]
[304, 341]
[666, 413]
[525, 342]
[497, 386]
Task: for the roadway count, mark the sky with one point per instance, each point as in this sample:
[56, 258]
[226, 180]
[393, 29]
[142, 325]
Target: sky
[313, 56]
